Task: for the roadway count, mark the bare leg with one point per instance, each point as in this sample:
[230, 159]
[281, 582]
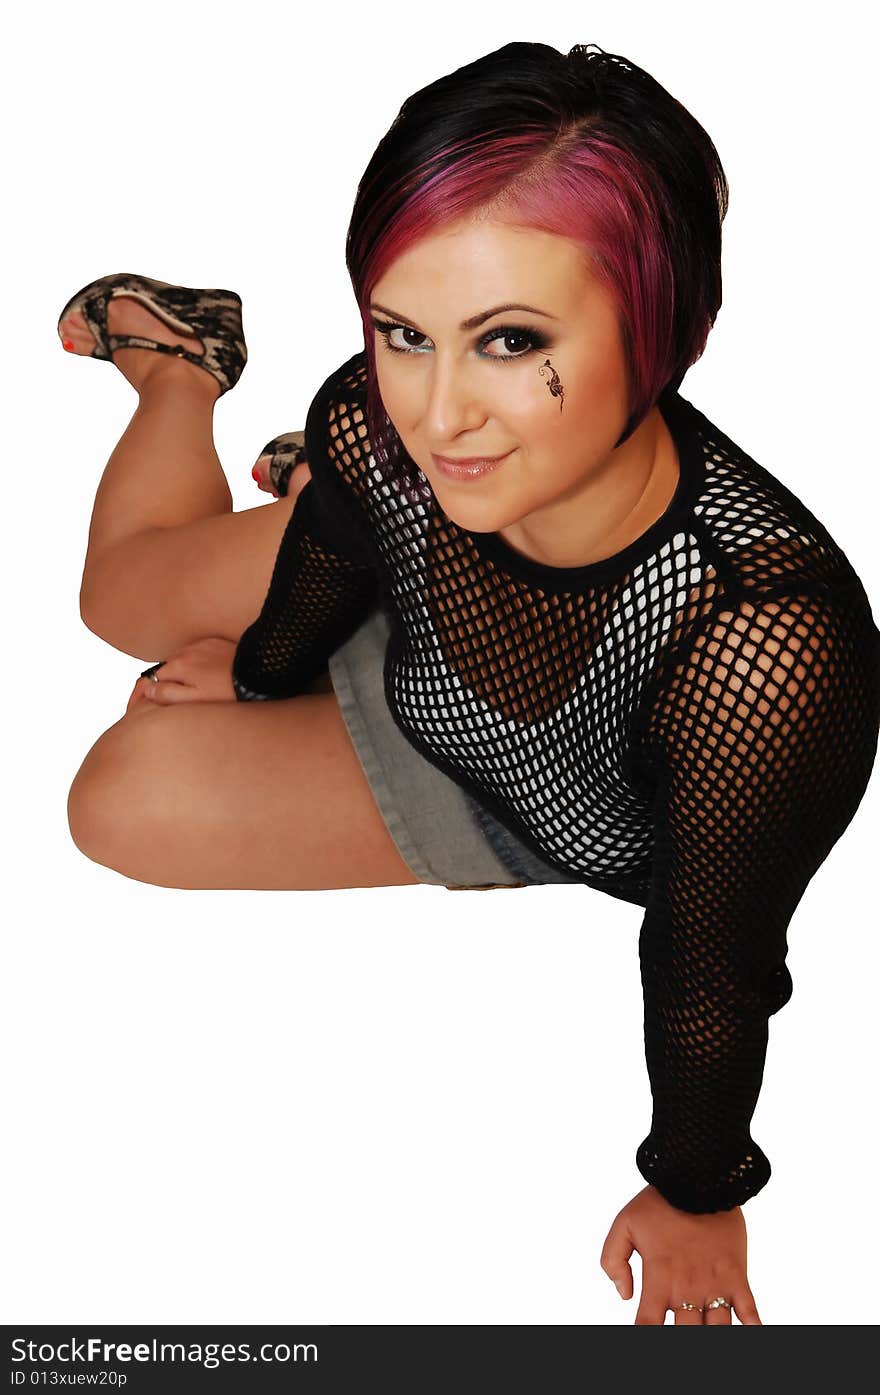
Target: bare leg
[158, 799]
[168, 561]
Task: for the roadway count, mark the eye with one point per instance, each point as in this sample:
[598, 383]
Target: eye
[386, 330]
[532, 338]
[535, 342]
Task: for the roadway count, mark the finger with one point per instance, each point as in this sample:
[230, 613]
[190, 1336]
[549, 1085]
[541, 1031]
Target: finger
[652, 1309]
[615, 1257]
[167, 693]
[687, 1317]
[140, 694]
[745, 1307]
[715, 1317]
[141, 691]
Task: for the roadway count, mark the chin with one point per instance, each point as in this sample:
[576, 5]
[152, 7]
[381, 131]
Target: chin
[475, 516]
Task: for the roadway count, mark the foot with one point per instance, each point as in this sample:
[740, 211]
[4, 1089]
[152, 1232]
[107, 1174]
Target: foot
[126, 315]
[298, 478]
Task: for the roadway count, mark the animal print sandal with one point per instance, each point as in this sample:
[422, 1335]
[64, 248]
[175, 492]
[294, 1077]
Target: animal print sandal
[284, 454]
[213, 316]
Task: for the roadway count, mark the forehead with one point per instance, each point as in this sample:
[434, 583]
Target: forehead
[469, 266]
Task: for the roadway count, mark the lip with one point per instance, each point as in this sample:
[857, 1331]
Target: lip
[470, 468]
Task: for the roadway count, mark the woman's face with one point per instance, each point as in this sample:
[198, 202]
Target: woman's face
[562, 491]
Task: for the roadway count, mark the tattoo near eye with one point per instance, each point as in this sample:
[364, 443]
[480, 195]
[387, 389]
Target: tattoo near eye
[537, 343]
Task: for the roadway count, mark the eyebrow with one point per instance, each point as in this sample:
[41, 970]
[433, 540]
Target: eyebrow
[473, 322]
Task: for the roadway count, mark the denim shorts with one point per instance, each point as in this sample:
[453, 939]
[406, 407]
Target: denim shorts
[443, 835]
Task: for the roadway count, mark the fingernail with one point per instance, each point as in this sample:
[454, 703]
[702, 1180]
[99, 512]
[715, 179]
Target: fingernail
[618, 1284]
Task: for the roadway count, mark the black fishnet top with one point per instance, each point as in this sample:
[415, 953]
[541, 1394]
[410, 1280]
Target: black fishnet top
[689, 725]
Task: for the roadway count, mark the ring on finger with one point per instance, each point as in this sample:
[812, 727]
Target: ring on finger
[689, 1307]
[152, 673]
[719, 1303]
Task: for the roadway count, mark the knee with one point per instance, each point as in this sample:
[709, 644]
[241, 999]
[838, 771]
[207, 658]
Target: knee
[110, 791]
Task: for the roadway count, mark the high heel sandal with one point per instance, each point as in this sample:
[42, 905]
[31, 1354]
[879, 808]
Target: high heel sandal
[285, 453]
[213, 316]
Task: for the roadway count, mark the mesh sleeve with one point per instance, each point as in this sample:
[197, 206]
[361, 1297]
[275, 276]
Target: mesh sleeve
[325, 580]
[317, 598]
[765, 745]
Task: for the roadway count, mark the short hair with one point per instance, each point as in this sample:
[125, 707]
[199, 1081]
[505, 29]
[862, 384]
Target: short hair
[586, 145]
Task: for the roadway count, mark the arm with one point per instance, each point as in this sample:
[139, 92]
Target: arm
[325, 580]
[762, 747]
[317, 598]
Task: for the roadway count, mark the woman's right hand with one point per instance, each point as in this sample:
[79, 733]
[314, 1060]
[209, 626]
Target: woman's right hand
[199, 672]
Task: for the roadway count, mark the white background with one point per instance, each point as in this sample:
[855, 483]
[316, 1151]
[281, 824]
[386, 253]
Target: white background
[393, 1105]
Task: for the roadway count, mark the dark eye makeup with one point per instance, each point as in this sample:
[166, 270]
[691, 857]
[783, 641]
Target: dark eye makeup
[537, 341]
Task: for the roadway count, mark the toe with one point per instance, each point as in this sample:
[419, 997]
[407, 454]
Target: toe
[260, 474]
[75, 335]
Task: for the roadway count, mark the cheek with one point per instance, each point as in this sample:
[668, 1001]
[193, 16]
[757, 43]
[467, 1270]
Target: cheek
[528, 400]
[560, 445]
[548, 409]
[400, 403]
[582, 405]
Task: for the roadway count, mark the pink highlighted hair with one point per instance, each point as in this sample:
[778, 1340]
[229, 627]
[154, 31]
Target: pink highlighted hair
[586, 145]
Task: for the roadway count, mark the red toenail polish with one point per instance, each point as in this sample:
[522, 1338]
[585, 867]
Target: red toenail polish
[67, 343]
[255, 474]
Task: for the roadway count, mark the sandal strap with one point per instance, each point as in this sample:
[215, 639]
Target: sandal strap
[134, 341]
[286, 451]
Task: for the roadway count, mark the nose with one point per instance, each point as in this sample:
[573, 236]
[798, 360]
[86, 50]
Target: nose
[451, 407]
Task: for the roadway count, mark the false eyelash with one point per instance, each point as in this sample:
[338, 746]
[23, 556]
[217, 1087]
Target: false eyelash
[537, 340]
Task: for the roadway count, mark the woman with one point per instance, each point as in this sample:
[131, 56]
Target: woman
[620, 652]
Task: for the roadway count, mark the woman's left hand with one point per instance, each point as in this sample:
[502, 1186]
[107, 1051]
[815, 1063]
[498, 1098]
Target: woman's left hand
[684, 1257]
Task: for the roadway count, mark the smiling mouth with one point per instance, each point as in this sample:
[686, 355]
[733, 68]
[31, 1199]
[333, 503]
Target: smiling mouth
[469, 468]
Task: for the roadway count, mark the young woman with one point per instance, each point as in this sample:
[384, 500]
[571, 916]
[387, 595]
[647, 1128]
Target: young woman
[523, 613]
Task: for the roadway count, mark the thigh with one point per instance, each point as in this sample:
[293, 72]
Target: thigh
[246, 795]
